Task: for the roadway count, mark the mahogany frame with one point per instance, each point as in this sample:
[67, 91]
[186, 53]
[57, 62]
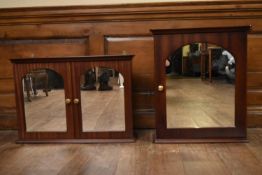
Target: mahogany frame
[69, 68]
[233, 39]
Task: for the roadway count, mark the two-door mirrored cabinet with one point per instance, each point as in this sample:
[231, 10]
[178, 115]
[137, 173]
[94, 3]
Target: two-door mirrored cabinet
[74, 99]
[200, 84]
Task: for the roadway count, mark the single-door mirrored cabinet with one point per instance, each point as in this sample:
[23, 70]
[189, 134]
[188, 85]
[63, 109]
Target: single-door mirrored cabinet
[200, 84]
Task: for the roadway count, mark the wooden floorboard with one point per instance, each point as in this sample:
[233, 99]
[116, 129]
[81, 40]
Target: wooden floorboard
[139, 158]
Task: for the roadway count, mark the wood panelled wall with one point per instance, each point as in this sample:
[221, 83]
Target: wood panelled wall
[116, 29]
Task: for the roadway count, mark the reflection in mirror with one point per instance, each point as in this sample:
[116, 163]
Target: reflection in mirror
[200, 90]
[44, 101]
[102, 100]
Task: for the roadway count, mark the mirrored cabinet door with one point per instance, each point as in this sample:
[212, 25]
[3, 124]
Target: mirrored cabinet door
[44, 101]
[201, 84]
[44, 96]
[102, 100]
[200, 87]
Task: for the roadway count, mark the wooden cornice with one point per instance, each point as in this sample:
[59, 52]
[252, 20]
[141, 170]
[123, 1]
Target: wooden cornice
[133, 12]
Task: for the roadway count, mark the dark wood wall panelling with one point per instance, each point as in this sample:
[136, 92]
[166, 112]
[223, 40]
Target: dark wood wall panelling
[143, 66]
[116, 29]
[254, 93]
[29, 48]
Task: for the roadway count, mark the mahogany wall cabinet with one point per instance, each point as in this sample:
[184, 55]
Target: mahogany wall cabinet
[190, 109]
[74, 99]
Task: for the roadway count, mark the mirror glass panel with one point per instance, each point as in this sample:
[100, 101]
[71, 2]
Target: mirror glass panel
[200, 87]
[102, 100]
[44, 101]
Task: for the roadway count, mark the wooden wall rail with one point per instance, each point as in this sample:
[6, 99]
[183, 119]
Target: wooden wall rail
[114, 29]
[226, 9]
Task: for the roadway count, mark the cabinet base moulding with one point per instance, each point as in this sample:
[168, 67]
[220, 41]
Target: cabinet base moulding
[233, 140]
[77, 141]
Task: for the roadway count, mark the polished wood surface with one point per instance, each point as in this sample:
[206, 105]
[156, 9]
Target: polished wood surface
[233, 39]
[140, 158]
[193, 103]
[99, 30]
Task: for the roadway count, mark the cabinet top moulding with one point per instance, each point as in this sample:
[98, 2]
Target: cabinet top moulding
[201, 30]
[72, 59]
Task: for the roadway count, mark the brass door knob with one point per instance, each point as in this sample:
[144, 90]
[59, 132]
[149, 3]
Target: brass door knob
[160, 88]
[68, 101]
[76, 101]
